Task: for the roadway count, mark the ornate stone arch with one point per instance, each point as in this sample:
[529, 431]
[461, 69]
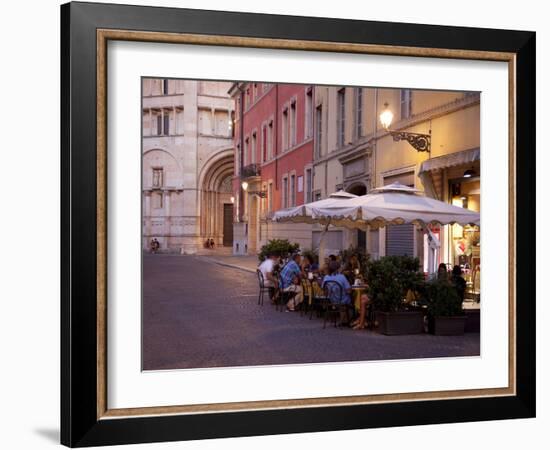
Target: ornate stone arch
[214, 191]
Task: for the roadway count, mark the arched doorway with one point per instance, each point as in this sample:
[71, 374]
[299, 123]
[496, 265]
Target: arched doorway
[359, 189]
[216, 207]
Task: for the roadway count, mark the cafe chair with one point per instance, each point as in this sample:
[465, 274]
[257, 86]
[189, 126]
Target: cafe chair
[307, 289]
[317, 299]
[332, 305]
[263, 288]
[282, 297]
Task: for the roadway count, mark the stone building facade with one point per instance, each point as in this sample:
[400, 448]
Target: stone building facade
[187, 163]
[352, 151]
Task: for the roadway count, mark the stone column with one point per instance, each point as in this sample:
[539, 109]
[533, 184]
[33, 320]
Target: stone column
[167, 221]
[175, 131]
[216, 210]
[208, 214]
[147, 218]
[229, 121]
[189, 164]
[213, 123]
[252, 224]
[150, 122]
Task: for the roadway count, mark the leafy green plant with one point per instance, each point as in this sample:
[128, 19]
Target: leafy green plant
[442, 299]
[389, 279]
[279, 247]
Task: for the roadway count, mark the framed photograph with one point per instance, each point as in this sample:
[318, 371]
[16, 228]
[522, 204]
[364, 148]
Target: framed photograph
[274, 224]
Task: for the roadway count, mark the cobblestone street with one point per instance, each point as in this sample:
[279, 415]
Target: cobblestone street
[197, 314]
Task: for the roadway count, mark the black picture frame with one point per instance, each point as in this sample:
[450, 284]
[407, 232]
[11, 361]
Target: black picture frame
[80, 425]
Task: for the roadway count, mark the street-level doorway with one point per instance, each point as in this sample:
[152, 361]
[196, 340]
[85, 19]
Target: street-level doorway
[228, 225]
[359, 189]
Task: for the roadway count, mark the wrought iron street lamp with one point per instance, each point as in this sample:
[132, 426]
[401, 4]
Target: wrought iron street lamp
[261, 194]
[420, 142]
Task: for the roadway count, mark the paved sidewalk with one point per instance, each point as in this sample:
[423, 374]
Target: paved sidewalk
[248, 263]
[199, 313]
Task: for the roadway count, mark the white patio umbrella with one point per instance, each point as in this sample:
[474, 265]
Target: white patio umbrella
[393, 204]
[303, 214]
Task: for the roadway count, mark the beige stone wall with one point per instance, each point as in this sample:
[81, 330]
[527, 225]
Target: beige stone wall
[195, 157]
[295, 232]
[452, 117]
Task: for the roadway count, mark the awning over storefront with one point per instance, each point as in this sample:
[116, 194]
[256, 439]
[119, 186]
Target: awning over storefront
[431, 170]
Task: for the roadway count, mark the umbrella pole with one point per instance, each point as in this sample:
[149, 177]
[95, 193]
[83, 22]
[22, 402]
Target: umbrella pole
[322, 245]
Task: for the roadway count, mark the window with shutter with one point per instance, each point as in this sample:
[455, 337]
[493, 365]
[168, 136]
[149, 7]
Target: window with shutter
[400, 238]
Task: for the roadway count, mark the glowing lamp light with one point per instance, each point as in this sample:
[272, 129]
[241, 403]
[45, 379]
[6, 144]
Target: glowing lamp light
[244, 185]
[232, 199]
[386, 117]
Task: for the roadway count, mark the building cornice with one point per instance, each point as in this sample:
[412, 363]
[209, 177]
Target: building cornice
[235, 88]
[359, 151]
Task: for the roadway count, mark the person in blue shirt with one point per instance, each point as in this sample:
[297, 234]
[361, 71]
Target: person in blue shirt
[337, 296]
[334, 275]
[291, 274]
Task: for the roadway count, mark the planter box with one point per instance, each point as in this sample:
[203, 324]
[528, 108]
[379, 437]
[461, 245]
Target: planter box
[472, 320]
[447, 326]
[402, 322]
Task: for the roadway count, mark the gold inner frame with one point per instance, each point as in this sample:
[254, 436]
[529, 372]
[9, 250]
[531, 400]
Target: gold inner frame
[103, 36]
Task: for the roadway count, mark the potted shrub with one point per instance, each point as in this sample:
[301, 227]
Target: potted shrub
[445, 314]
[279, 247]
[389, 280]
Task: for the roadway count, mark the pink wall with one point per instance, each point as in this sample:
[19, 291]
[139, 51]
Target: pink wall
[261, 111]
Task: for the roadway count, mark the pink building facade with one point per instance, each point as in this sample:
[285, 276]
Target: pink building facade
[273, 141]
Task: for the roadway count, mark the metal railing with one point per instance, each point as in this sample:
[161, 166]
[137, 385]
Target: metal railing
[251, 170]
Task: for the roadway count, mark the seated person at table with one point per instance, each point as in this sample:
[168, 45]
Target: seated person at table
[353, 264]
[334, 294]
[328, 260]
[352, 268]
[308, 265]
[442, 273]
[290, 279]
[334, 275]
[361, 322]
[458, 282]
[267, 267]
